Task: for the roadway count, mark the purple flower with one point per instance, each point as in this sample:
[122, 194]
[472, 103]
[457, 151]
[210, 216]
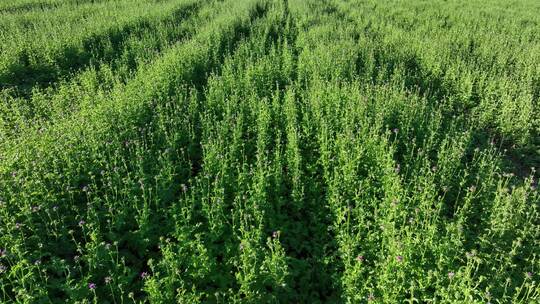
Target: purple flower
[529, 275]
[360, 258]
[81, 223]
[399, 258]
[144, 275]
[108, 280]
[92, 286]
[451, 274]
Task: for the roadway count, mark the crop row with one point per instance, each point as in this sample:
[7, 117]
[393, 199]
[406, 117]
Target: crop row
[276, 151]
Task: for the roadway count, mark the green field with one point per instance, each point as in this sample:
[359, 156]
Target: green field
[269, 151]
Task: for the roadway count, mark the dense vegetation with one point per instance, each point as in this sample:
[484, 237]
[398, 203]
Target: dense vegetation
[269, 151]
